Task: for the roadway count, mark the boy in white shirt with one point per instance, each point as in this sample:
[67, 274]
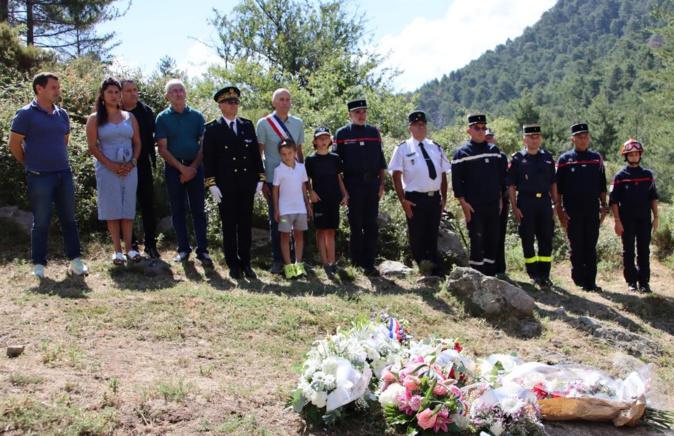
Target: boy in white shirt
[291, 206]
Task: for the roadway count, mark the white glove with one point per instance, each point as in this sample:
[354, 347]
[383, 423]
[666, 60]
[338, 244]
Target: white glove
[259, 187]
[215, 193]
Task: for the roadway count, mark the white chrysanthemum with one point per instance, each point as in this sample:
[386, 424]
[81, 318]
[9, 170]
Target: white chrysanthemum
[391, 394]
[319, 399]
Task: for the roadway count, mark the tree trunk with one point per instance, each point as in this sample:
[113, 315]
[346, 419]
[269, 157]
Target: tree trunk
[30, 24]
[4, 11]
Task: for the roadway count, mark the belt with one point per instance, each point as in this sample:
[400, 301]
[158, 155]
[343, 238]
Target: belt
[534, 194]
[429, 193]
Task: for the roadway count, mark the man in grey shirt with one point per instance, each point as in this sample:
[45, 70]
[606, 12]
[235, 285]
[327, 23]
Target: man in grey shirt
[270, 131]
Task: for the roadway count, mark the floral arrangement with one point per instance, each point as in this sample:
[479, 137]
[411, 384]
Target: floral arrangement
[431, 386]
[421, 395]
[505, 410]
[343, 370]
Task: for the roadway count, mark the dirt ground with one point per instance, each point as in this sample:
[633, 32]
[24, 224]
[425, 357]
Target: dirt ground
[175, 349]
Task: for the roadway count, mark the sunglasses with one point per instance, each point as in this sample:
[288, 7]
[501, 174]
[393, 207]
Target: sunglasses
[230, 101]
[483, 129]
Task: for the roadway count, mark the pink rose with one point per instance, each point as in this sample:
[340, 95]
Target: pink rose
[388, 377]
[411, 383]
[440, 391]
[437, 421]
[426, 419]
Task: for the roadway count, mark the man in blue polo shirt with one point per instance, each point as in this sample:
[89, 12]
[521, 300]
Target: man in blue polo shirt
[179, 132]
[39, 140]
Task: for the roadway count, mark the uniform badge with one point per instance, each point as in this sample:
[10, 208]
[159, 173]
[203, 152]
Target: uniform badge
[486, 160]
[362, 142]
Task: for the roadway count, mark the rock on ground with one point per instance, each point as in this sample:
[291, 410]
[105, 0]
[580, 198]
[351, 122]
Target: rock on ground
[488, 295]
[393, 268]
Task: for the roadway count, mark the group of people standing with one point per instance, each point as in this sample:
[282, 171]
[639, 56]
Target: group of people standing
[233, 159]
[574, 186]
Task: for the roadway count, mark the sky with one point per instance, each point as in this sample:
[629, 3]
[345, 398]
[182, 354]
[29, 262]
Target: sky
[423, 39]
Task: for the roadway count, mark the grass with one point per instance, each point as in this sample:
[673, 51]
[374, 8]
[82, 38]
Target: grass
[189, 351]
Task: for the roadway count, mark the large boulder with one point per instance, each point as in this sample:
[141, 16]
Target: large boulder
[488, 295]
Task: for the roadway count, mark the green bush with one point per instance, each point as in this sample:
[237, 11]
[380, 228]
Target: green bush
[663, 238]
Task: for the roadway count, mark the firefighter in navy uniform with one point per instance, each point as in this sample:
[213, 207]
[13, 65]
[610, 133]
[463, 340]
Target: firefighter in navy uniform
[478, 180]
[632, 200]
[359, 146]
[533, 190]
[419, 168]
[500, 267]
[581, 183]
[233, 172]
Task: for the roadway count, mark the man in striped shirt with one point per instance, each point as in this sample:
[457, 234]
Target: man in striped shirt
[478, 180]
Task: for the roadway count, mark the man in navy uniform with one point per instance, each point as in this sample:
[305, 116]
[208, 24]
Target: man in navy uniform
[359, 146]
[478, 179]
[500, 266]
[233, 172]
[419, 167]
[581, 182]
[531, 177]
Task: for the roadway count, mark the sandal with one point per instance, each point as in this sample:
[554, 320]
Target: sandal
[134, 256]
[118, 258]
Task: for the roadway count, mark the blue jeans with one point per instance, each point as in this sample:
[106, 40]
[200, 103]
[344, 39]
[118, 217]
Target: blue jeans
[180, 194]
[273, 229]
[44, 189]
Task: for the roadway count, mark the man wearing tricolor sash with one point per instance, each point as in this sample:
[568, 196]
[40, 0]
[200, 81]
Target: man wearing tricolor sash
[271, 130]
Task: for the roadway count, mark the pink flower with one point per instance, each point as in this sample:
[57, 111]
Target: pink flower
[403, 403]
[415, 402]
[440, 390]
[411, 383]
[456, 391]
[428, 419]
[388, 377]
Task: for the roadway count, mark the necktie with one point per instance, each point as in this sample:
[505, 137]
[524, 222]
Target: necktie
[231, 126]
[431, 168]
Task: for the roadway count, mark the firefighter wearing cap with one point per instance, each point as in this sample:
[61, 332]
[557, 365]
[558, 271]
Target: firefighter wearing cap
[500, 266]
[633, 199]
[233, 170]
[359, 146]
[581, 183]
[419, 168]
[533, 190]
[478, 180]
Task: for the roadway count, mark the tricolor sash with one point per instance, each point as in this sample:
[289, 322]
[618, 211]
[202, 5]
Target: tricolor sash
[279, 127]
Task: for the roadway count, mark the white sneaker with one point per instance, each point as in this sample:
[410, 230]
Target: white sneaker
[133, 255]
[78, 267]
[38, 271]
[118, 258]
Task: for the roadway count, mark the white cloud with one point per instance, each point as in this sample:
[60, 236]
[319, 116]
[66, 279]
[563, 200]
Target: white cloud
[198, 58]
[428, 48]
